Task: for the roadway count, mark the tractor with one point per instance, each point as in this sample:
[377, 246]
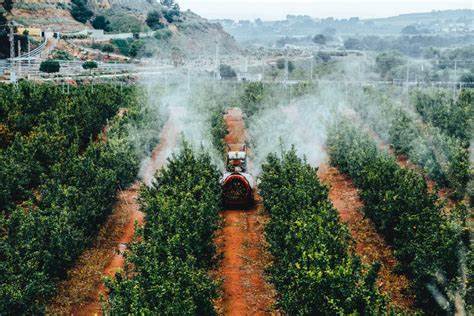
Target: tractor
[237, 184]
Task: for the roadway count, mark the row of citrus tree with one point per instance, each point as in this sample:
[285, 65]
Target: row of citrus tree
[314, 271]
[58, 181]
[430, 246]
[167, 265]
[454, 116]
[444, 158]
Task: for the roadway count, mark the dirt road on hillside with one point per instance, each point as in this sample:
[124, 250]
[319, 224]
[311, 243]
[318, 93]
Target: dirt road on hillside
[242, 245]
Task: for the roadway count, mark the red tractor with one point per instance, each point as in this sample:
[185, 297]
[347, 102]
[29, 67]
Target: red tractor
[237, 184]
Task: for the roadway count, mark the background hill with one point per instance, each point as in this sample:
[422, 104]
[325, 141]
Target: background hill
[186, 32]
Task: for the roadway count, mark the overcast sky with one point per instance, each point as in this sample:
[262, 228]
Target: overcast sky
[278, 9]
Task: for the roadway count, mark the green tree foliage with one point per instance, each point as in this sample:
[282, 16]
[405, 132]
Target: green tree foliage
[454, 117]
[388, 62]
[313, 270]
[176, 248]
[153, 20]
[281, 64]
[61, 55]
[163, 35]
[468, 79]
[428, 245]
[80, 11]
[100, 22]
[218, 130]
[8, 5]
[319, 39]
[172, 14]
[252, 98]
[444, 158]
[50, 66]
[56, 184]
[227, 72]
[90, 64]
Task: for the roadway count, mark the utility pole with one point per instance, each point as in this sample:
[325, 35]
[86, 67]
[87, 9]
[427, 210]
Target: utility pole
[311, 69]
[189, 79]
[12, 43]
[455, 70]
[217, 60]
[19, 59]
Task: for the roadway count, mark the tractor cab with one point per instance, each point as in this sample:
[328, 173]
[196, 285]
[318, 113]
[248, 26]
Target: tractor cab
[236, 161]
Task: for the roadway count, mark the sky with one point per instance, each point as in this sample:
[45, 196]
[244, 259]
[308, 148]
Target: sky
[278, 9]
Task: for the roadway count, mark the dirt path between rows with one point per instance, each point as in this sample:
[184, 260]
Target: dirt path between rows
[242, 245]
[369, 245]
[80, 293]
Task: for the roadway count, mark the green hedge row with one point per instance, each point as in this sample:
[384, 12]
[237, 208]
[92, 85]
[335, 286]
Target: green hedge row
[313, 271]
[167, 267]
[455, 118]
[56, 185]
[429, 245]
[445, 159]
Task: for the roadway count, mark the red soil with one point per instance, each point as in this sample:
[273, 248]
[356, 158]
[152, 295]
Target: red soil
[369, 245]
[128, 200]
[242, 244]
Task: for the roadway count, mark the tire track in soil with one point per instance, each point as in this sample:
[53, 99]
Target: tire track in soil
[113, 241]
[368, 244]
[242, 244]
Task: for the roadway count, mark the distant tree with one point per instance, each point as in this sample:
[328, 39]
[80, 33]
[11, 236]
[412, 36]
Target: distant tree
[322, 56]
[80, 12]
[468, 78]
[100, 22]
[177, 56]
[108, 48]
[319, 39]
[135, 48]
[8, 5]
[281, 64]
[168, 3]
[50, 66]
[172, 14]
[153, 20]
[227, 72]
[387, 62]
[353, 43]
[90, 64]
[163, 35]
[410, 30]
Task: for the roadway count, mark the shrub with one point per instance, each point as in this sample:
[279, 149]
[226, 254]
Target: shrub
[57, 186]
[80, 12]
[163, 34]
[90, 64]
[313, 271]
[62, 55]
[50, 66]
[100, 22]
[426, 242]
[153, 20]
[281, 64]
[227, 72]
[175, 249]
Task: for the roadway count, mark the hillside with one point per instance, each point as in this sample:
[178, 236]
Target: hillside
[435, 22]
[189, 33]
[48, 14]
